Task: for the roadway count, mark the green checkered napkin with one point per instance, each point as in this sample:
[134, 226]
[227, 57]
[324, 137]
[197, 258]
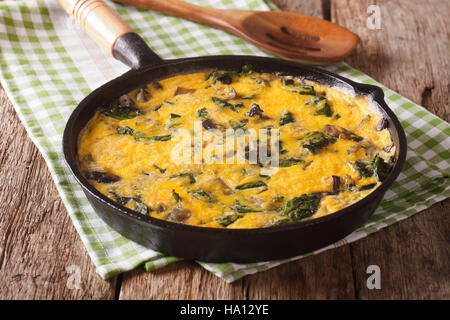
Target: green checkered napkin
[47, 66]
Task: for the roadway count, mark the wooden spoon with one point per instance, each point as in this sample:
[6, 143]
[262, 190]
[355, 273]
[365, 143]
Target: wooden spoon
[286, 34]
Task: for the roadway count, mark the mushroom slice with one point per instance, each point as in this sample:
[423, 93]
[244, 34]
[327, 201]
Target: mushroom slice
[263, 81]
[181, 90]
[341, 133]
[143, 95]
[382, 124]
[179, 215]
[336, 181]
[364, 144]
[126, 101]
[226, 190]
[211, 124]
[230, 93]
[255, 110]
[102, 177]
[366, 118]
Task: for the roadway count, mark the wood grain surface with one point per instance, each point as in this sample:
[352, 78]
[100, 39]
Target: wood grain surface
[40, 250]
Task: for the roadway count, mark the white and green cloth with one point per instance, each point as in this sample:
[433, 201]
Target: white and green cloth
[48, 65]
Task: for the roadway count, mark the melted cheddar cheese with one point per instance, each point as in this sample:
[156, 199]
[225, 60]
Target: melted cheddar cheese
[333, 149]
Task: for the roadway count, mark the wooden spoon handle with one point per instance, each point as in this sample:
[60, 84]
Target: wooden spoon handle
[225, 19]
[99, 21]
[108, 29]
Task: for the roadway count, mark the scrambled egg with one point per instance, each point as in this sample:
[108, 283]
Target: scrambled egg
[333, 149]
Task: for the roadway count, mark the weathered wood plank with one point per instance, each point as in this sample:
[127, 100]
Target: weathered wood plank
[325, 276]
[412, 256]
[181, 280]
[410, 55]
[37, 239]
[309, 7]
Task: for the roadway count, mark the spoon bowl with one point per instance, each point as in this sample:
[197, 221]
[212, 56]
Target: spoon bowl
[285, 34]
[298, 37]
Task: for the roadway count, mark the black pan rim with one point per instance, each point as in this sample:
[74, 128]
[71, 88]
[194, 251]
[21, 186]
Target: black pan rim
[372, 91]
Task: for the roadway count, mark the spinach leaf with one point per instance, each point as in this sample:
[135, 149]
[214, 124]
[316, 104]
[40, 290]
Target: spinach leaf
[176, 196]
[301, 207]
[174, 116]
[202, 196]
[125, 130]
[160, 138]
[314, 141]
[219, 101]
[251, 185]
[121, 113]
[280, 147]
[325, 111]
[228, 219]
[286, 117]
[322, 106]
[241, 208]
[120, 199]
[225, 78]
[140, 136]
[185, 175]
[202, 113]
[225, 104]
[365, 168]
[102, 177]
[304, 87]
[235, 125]
[377, 166]
[305, 93]
[283, 163]
[140, 206]
[159, 169]
[316, 101]
[213, 76]
[246, 70]
[381, 168]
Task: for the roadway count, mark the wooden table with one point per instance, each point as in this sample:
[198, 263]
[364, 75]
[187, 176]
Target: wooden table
[409, 54]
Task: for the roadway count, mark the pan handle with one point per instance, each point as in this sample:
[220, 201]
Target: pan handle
[113, 34]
